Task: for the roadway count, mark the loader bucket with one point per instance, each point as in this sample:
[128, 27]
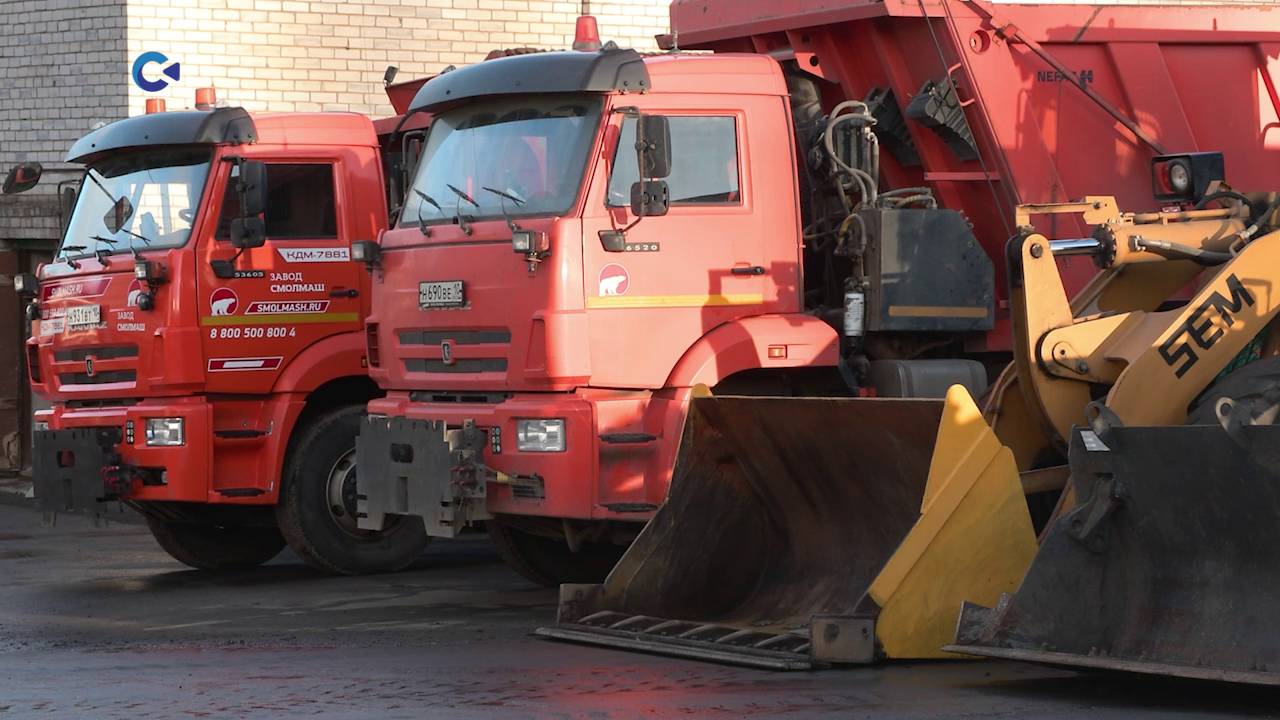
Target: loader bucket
[1168, 566]
[814, 530]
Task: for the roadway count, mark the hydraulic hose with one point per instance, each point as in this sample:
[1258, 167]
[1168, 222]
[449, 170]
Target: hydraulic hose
[1178, 251]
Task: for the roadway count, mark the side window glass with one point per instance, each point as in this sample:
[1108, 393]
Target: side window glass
[704, 162]
[299, 203]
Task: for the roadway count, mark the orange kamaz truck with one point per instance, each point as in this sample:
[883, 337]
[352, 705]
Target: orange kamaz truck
[200, 334]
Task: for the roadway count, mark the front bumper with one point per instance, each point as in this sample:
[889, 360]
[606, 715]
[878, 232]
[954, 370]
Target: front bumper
[408, 461]
[91, 456]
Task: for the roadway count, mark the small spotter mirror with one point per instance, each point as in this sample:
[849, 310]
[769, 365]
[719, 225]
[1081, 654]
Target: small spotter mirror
[248, 232]
[118, 215]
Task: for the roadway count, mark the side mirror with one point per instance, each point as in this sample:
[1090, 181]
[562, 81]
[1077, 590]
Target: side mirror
[252, 186]
[22, 177]
[248, 232]
[650, 198]
[118, 216]
[653, 146]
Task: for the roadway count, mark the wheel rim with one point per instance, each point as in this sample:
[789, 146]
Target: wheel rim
[340, 492]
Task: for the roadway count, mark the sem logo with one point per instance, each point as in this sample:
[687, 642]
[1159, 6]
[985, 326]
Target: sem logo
[1200, 328]
[173, 71]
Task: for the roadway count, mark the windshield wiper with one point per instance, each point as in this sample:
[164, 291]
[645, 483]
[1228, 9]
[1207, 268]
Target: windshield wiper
[422, 222]
[463, 195]
[66, 252]
[508, 194]
[505, 196]
[463, 221]
[101, 253]
[133, 235]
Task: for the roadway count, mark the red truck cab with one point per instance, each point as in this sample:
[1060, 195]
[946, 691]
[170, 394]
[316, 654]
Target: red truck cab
[199, 334]
[537, 341]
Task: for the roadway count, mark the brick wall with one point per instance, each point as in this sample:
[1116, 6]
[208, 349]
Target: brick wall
[63, 68]
[308, 55]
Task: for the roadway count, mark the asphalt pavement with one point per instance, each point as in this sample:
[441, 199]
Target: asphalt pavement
[96, 621]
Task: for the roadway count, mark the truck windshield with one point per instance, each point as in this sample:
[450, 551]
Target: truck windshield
[524, 156]
[163, 188]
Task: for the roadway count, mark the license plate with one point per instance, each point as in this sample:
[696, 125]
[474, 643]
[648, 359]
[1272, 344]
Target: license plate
[84, 315]
[447, 293]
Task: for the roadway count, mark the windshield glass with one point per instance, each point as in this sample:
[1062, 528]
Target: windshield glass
[528, 152]
[162, 186]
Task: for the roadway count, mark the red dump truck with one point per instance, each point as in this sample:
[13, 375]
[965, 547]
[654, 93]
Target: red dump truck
[200, 333]
[818, 207]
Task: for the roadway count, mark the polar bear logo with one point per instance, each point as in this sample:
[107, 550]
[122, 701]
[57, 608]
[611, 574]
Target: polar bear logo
[614, 280]
[135, 289]
[223, 301]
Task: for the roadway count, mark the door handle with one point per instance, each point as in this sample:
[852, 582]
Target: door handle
[753, 270]
[347, 293]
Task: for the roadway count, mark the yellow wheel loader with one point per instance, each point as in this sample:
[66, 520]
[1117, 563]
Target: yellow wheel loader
[792, 539]
[1160, 560]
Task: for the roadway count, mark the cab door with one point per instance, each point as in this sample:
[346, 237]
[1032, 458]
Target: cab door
[703, 264]
[298, 288]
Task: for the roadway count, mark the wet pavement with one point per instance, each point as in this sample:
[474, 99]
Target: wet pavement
[99, 622]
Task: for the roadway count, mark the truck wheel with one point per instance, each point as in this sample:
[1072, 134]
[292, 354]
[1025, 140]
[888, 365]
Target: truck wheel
[216, 547]
[317, 509]
[548, 561]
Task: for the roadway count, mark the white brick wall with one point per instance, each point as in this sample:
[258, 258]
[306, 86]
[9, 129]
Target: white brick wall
[305, 55]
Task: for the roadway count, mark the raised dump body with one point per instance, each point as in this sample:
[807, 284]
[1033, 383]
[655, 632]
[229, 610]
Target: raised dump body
[1001, 105]
[989, 108]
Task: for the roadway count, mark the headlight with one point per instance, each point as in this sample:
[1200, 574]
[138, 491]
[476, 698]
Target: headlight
[166, 432]
[540, 435]
[529, 241]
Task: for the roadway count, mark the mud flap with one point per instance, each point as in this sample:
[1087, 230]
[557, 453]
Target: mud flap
[405, 467]
[70, 470]
[811, 531]
[1168, 567]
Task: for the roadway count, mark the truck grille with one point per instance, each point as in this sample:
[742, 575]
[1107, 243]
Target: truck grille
[466, 365]
[454, 351]
[109, 363]
[458, 337]
[102, 352]
[98, 378]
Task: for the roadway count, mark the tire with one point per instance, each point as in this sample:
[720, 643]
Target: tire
[320, 527]
[548, 561]
[216, 547]
[1257, 384]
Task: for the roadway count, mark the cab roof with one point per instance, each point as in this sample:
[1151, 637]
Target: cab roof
[608, 70]
[224, 126]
